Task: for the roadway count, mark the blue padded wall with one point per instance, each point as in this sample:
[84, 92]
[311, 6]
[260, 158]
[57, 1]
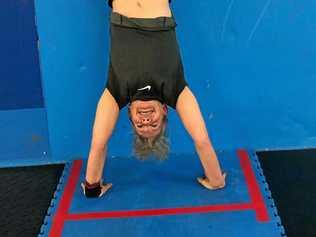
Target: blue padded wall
[73, 53]
[250, 64]
[24, 137]
[20, 84]
[23, 122]
[252, 67]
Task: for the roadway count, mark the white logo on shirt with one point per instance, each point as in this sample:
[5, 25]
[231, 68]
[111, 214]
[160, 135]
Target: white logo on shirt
[144, 88]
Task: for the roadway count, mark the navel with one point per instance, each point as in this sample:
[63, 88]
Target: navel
[138, 4]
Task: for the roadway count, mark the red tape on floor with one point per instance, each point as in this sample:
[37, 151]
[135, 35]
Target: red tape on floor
[257, 201]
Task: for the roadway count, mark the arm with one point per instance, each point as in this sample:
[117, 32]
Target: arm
[105, 120]
[189, 112]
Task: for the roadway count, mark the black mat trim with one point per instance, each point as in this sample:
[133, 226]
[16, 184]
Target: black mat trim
[291, 176]
[25, 196]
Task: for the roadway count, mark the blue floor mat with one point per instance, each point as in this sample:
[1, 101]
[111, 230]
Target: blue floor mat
[164, 199]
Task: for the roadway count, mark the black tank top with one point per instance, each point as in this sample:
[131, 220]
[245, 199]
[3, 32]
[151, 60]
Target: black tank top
[110, 2]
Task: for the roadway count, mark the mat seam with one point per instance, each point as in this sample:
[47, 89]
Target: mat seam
[54, 200]
[267, 193]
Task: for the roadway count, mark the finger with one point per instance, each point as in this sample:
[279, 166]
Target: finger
[200, 179]
[83, 188]
[105, 188]
[204, 182]
[224, 178]
[224, 175]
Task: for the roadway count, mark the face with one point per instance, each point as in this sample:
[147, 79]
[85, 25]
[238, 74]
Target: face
[147, 117]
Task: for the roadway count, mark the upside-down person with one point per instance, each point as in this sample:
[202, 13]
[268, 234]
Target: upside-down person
[146, 74]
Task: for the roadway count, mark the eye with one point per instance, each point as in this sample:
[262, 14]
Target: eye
[154, 125]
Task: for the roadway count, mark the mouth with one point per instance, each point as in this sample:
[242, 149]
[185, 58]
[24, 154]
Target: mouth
[145, 110]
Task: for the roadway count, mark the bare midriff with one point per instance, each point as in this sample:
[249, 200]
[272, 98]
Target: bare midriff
[142, 8]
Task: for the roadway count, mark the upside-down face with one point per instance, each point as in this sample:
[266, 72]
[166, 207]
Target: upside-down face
[147, 117]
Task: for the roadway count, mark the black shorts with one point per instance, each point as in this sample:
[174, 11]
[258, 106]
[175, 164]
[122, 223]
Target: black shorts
[145, 61]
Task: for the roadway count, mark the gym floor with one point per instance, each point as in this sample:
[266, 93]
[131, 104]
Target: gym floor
[164, 199]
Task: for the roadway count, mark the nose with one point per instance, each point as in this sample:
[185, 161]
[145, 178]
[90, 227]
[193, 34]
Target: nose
[145, 120]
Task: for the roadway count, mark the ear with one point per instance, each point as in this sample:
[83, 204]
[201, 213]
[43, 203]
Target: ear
[129, 114]
[165, 108]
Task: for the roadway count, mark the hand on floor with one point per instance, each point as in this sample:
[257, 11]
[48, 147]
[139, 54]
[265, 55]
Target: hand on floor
[204, 181]
[94, 192]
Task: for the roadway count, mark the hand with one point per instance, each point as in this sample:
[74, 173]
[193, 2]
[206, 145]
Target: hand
[104, 188]
[212, 186]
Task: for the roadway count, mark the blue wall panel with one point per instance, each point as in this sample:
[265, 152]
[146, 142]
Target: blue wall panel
[24, 137]
[74, 54]
[251, 65]
[20, 84]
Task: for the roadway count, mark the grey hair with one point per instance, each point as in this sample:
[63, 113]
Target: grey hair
[158, 147]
